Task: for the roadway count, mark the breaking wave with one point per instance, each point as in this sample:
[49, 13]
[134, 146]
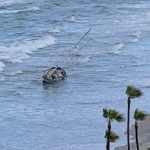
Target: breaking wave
[10, 2]
[55, 30]
[116, 49]
[2, 65]
[73, 20]
[14, 73]
[137, 6]
[16, 52]
[20, 10]
[135, 37]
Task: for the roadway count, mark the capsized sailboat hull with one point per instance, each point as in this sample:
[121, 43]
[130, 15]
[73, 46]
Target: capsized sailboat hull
[54, 74]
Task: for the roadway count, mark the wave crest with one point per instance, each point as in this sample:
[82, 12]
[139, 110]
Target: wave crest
[30, 9]
[2, 65]
[10, 2]
[54, 30]
[116, 49]
[16, 52]
[135, 37]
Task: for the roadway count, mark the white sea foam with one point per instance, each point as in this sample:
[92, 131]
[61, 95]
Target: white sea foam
[135, 37]
[10, 2]
[80, 60]
[17, 52]
[117, 48]
[116, 20]
[137, 6]
[19, 10]
[55, 30]
[2, 65]
[83, 59]
[14, 73]
[73, 19]
[2, 78]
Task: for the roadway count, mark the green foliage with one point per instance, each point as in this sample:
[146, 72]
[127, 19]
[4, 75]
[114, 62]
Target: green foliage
[120, 118]
[113, 136]
[133, 92]
[105, 113]
[139, 115]
[111, 114]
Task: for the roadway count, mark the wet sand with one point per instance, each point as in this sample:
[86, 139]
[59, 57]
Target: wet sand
[144, 136]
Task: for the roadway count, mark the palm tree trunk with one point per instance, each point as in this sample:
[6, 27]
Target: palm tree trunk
[108, 138]
[107, 147]
[128, 124]
[136, 135]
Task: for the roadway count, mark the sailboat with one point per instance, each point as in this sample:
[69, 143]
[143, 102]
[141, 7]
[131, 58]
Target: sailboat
[56, 74]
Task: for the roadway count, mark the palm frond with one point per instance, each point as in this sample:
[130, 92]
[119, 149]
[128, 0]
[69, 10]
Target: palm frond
[133, 92]
[140, 115]
[120, 118]
[112, 114]
[115, 115]
[105, 113]
[113, 136]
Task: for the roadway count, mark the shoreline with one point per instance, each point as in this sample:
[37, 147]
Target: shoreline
[144, 136]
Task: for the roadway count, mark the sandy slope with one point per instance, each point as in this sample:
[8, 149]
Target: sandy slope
[144, 136]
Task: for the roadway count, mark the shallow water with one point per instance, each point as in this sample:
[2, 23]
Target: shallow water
[68, 115]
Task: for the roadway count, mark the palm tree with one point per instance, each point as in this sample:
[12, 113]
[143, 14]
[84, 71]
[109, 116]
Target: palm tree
[138, 116]
[113, 137]
[132, 92]
[111, 115]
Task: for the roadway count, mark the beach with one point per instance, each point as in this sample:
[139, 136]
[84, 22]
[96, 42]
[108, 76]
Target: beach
[144, 136]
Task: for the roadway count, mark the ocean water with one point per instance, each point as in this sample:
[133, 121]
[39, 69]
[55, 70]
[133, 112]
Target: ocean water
[36, 35]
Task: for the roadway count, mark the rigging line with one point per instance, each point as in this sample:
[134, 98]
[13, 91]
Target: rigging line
[80, 40]
[75, 46]
[73, 55]
[81, 47]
